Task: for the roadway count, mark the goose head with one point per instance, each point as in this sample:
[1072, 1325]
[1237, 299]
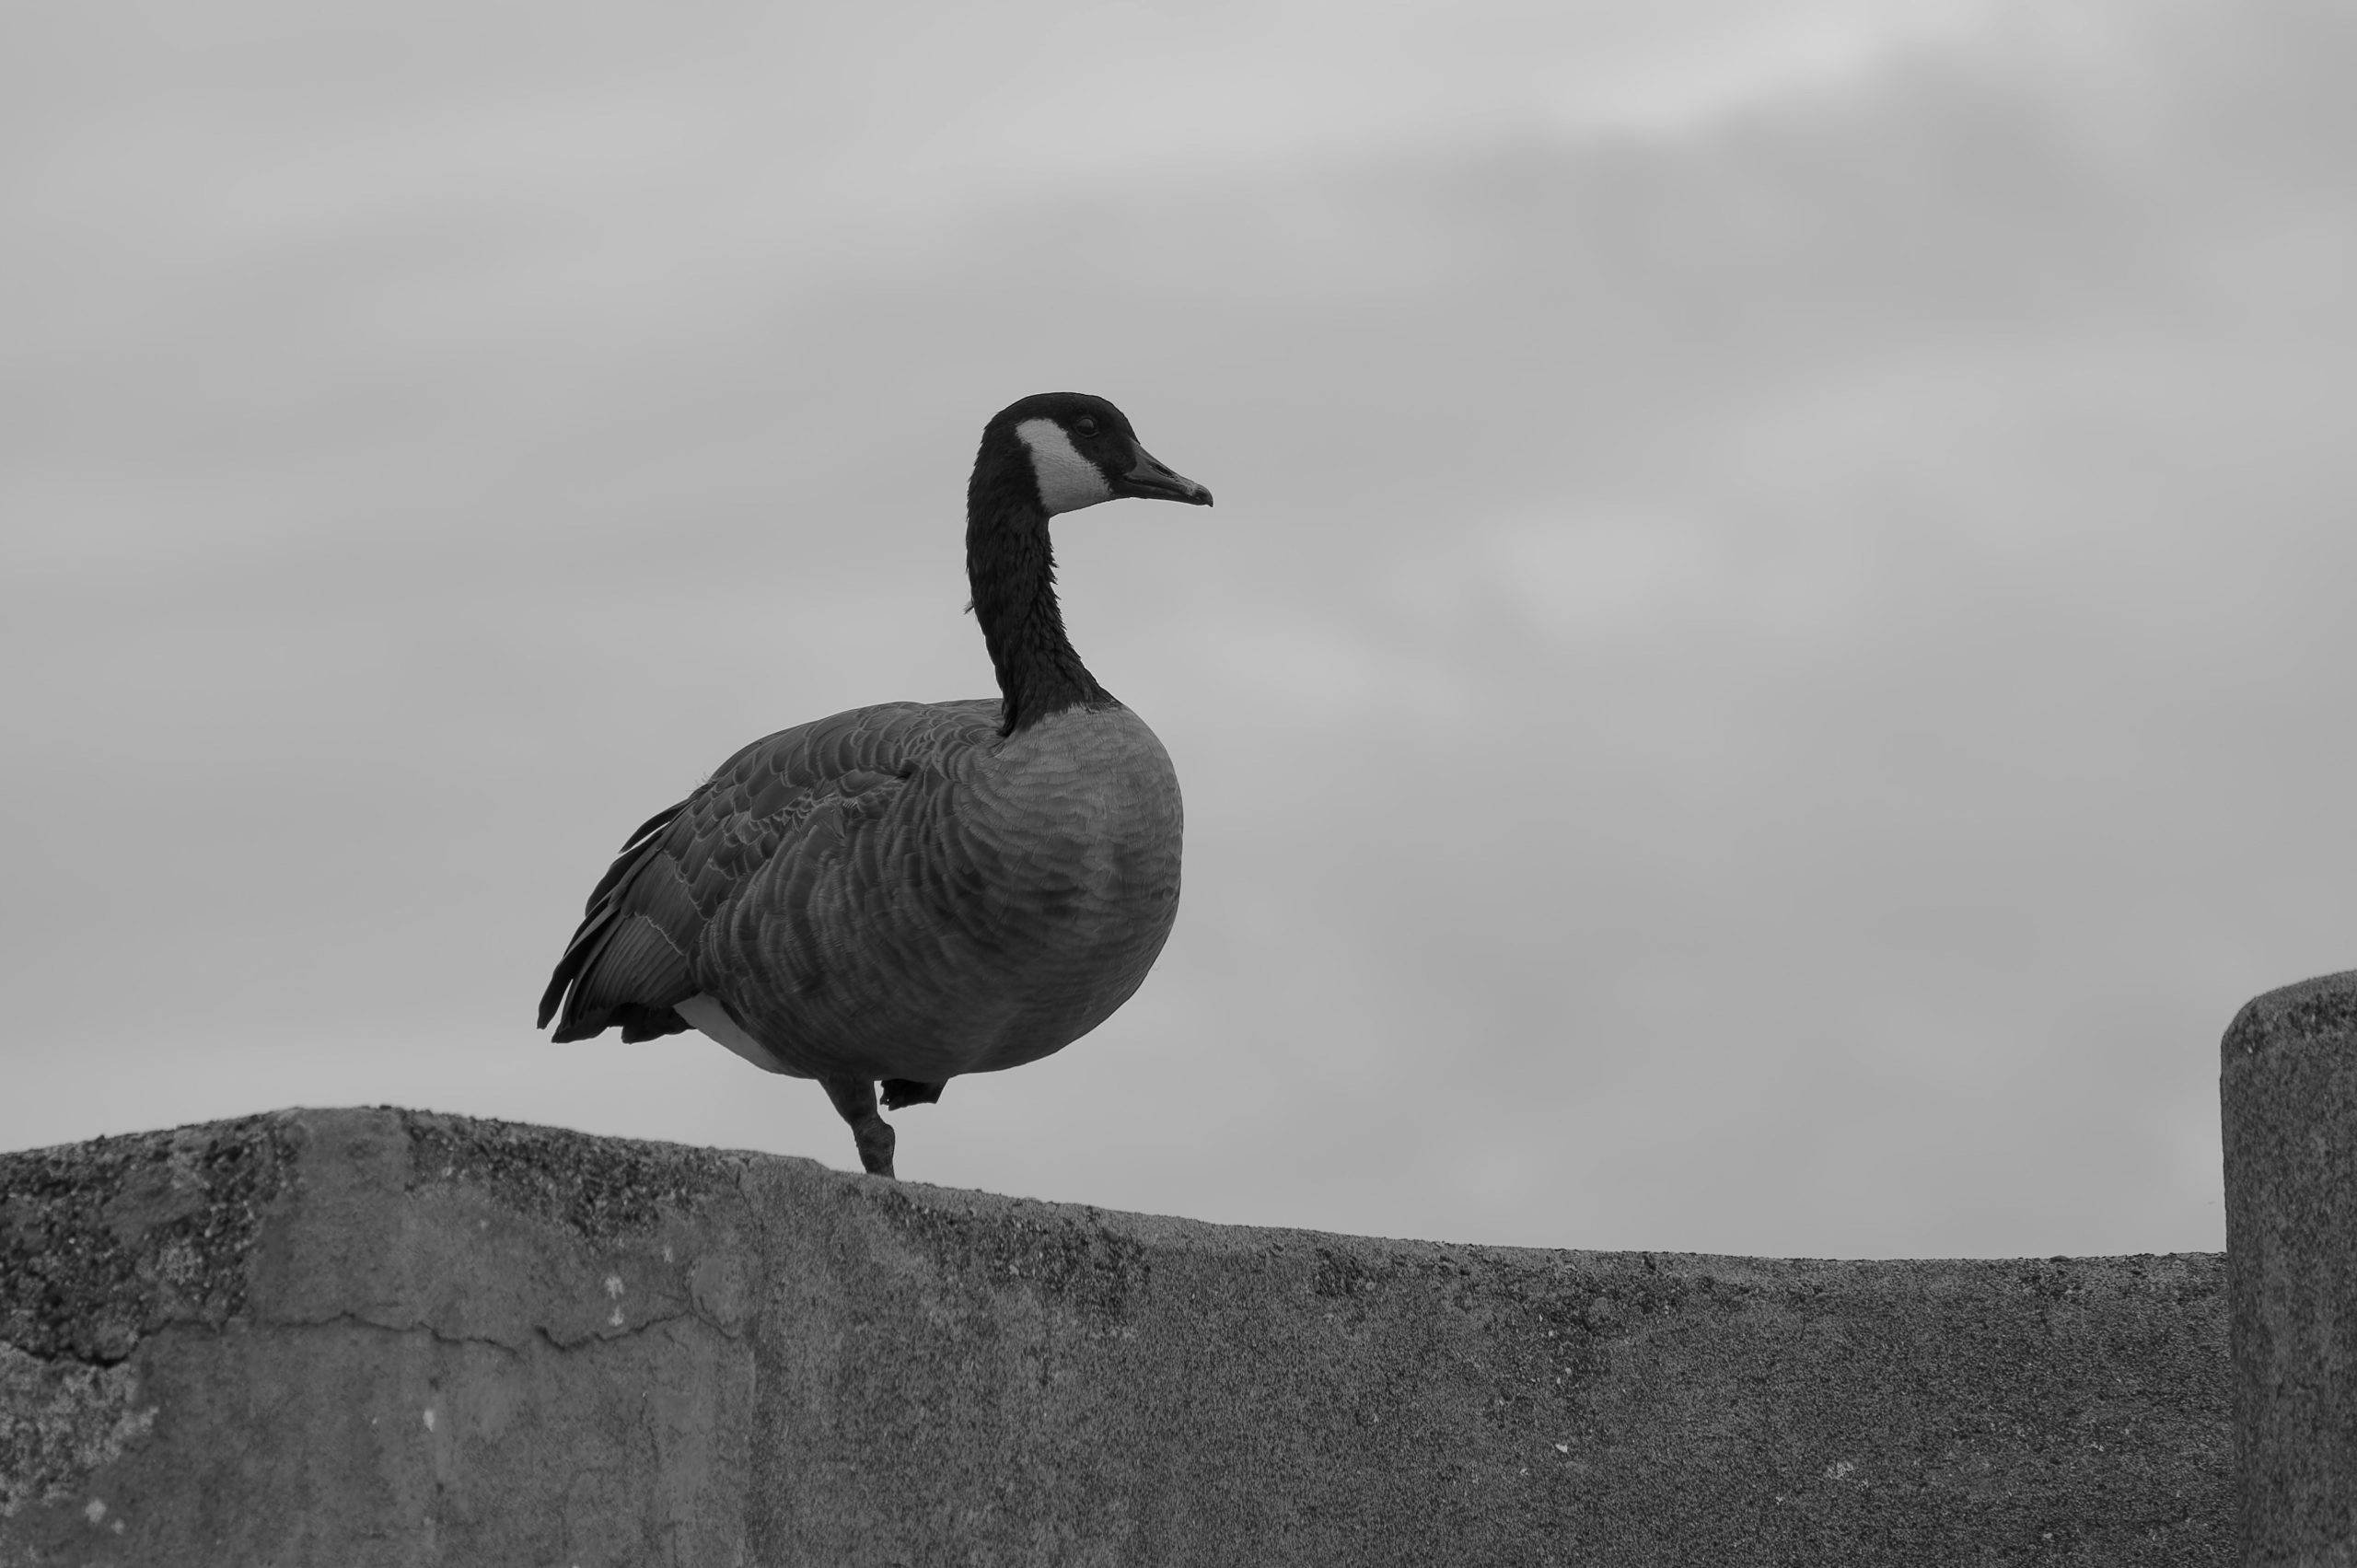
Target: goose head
[1078, 450]
[1049, 453]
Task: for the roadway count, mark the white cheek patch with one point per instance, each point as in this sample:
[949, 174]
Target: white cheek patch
[1067, 480]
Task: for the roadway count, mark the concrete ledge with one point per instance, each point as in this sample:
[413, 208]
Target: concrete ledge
[378, 1337]
[2287, 1088]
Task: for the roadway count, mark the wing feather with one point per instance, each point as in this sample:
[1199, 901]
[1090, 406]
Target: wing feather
[629, 963]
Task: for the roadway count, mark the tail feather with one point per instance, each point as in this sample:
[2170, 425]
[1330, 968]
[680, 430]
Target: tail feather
[622, 965]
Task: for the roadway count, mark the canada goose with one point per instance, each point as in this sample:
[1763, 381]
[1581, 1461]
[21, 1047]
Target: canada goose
[910, 891]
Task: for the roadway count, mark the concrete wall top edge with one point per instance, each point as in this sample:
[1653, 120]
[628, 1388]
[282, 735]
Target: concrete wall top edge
[220, 1173]
[106, 1242]
[2318, 1008]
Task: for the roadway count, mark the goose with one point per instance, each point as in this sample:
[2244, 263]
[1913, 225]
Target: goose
[899, 894]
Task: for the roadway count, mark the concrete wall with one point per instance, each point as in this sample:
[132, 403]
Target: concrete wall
[360, 1338]
[2287, 1092]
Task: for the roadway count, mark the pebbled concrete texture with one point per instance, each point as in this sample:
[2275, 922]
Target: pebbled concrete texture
[2287, 1092]
[382, 1336]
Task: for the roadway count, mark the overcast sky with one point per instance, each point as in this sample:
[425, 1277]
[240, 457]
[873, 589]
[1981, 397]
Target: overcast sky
[1772, 665]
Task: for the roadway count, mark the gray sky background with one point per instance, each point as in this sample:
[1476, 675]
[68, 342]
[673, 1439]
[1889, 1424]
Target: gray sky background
[1771, 666]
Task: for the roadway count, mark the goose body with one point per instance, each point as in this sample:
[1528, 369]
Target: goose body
[904, 893]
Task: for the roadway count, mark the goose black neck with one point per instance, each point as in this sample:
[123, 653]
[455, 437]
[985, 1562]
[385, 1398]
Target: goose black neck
[1012, 569]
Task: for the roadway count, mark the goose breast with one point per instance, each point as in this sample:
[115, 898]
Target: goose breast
[984, 903]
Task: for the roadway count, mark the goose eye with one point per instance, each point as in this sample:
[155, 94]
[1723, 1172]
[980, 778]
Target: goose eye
[1085, 424]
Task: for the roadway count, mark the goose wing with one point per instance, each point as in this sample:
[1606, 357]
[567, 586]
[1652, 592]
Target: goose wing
[629, 963]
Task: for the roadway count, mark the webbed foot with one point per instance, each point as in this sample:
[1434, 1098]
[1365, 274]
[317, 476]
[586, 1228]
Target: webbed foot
[898, 1092]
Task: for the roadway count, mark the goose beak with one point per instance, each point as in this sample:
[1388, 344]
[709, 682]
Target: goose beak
[1154, 480]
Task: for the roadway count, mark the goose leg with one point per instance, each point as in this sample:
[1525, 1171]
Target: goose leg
[855, 1103]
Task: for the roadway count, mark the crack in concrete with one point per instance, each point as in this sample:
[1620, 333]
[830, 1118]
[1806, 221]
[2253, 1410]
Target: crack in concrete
[540, 1331]
[13, 1356]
